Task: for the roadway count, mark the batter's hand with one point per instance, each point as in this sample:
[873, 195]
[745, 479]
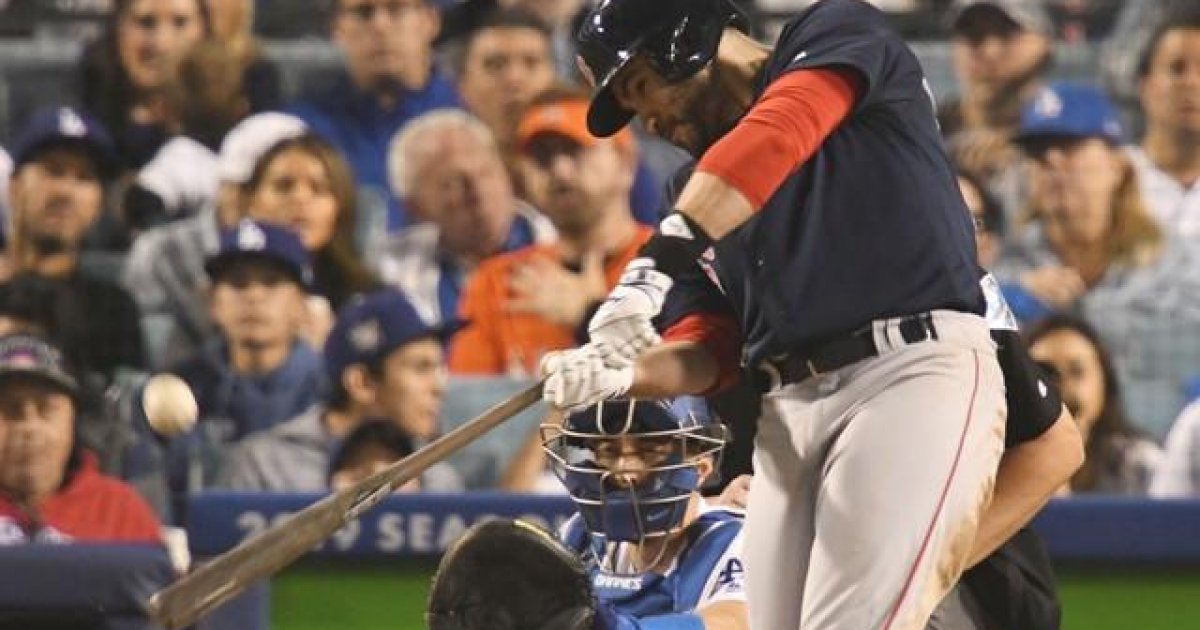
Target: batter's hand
[622, 326]
[584, 376]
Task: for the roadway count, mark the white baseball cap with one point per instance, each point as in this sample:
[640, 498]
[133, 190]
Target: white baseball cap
[250, 139]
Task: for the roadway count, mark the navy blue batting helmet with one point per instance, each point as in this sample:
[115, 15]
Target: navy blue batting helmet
[678, 37]
[591, 450]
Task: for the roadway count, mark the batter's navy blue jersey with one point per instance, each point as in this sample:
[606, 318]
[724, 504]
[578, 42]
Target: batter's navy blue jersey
[709, 569]
[873, 225]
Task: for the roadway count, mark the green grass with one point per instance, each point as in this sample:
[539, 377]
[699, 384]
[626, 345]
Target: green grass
[368, 598]
[379, 597]
[1149, 600]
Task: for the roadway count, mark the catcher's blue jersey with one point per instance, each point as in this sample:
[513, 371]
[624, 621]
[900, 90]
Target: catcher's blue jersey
[709, 569]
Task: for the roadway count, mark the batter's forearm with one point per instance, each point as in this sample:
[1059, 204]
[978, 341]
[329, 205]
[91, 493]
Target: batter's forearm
[674, 368]
[714, 205]
[1028, 476]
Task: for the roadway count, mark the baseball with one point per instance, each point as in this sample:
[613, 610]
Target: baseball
[169, 405]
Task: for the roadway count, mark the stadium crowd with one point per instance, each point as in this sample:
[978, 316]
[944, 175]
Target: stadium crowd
[321, 265]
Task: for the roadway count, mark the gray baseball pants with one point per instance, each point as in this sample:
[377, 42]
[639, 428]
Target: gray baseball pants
[870, 481]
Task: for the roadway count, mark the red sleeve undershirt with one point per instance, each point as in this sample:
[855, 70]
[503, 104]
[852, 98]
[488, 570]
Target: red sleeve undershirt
[718, 333]
[782, 130]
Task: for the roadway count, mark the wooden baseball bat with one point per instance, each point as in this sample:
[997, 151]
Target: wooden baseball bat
[232, 572]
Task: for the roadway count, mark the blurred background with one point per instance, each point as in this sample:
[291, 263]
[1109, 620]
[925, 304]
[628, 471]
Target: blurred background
[329, 219]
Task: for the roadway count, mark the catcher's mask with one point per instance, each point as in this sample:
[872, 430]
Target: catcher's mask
[631, 466]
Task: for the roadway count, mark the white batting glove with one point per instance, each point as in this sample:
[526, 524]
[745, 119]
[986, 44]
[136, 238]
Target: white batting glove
[621, 327]
[582, 377]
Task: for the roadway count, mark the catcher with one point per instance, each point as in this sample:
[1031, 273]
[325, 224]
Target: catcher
[644, 551]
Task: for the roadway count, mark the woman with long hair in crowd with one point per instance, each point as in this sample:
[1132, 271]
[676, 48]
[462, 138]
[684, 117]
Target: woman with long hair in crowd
[125, 73]
[1119, 458]
[304, 183]
[1085, 217]
[1091, 248]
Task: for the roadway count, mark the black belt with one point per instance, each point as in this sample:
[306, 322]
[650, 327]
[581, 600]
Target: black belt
[838, 352]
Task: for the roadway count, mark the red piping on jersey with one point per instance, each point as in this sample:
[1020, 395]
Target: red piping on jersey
[782, 130]
[941, 502]
[719, 334]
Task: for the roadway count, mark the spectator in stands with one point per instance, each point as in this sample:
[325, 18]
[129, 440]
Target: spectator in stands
[63, 160]
[987, 216]
[1002, 51]
[181, 179]
[27, 305]
[34, 305]
[126, 71]
[220, 81]
[165, 270]
[390, 78]
[233, 30]
[1092, 248]
[303, 183]
[257, 372]
[51, 490]
[1178, 473]
[521, 305]
[207, 93]
[371, 447]
[1168, 160]
[561, 17]
[504, 64]
[1118, 458]
[382, 361]
[447, 168]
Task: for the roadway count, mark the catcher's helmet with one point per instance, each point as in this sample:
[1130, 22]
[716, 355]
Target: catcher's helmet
[679, 38]
[631, 505]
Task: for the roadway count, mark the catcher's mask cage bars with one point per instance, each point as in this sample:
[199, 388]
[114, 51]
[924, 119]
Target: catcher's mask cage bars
[616, 512]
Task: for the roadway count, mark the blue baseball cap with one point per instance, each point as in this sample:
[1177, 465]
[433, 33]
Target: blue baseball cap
[1069, 110]
[266, 242]
[57, 126]
[370, 327]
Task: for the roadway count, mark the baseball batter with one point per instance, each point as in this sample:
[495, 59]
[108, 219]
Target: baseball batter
[1010, 583]
[659, 556]
[835, 245]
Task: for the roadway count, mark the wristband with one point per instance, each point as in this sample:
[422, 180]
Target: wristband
[676, 245]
